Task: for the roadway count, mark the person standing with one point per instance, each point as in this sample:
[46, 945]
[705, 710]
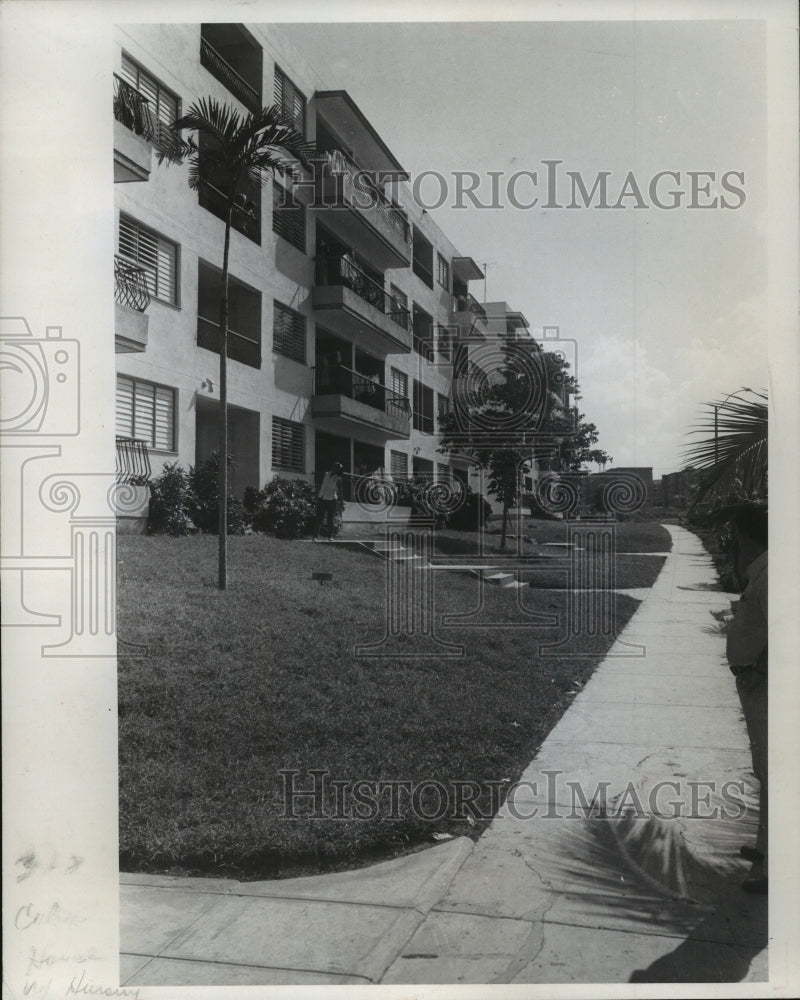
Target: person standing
[747, 655]
[328, 497]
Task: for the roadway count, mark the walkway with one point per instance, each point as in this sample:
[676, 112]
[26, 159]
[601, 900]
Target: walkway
[615, 858]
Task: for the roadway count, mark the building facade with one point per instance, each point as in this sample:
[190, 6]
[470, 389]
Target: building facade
[347, 302]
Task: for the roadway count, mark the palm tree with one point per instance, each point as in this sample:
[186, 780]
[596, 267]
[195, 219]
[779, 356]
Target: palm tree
[238, 152]
[732, 456]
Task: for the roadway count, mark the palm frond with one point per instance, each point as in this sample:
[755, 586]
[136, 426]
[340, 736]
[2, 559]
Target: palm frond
[732, 456]
[233, 147]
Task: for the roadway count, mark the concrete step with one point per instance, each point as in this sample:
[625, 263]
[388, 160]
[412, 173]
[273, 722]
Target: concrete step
[506, 581]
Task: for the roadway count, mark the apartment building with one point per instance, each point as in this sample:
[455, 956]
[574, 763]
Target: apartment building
[345, 313]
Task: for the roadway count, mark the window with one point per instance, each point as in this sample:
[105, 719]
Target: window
[442, 405]
[289, 333]
[288, 97]
[442, 472]
[443, 272]
[444, 337]
[399, 465]
[423, 258]
[288, 217]
[399, 383]
[423, 330]
[244, 316]
[423, 408]
[147, 412]
[288, 445]
[400, 297]
[162, 102]
[154, 254]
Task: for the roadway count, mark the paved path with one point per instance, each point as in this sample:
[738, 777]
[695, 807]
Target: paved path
[556, 890]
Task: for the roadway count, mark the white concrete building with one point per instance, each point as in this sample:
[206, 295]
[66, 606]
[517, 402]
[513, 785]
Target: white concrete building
[343, 319]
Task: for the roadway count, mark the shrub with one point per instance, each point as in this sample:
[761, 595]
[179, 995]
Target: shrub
[203, 478]
[171, 499]
[286, 507]
[181, 503]
[473, 514]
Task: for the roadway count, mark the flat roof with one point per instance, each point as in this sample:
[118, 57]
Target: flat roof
[349, 114]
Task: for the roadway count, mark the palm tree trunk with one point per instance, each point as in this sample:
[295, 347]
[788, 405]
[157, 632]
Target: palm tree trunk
[505, 520]
[222, 479]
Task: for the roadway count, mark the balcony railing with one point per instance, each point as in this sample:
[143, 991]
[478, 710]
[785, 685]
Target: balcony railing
[240, 348]
[132, 109]
[133, 461]
[399, 314]
[468, 303]
[219, 67]
[362, 190]
[245, 219]
[130, 285]
[344, 381]
[333, 269]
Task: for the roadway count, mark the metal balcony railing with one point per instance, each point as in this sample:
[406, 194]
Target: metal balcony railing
[399, 314]
[344, 381]
[468, 303]
[130, 285]
[219, 67]
[246, 217]
[364, 192]
[334, 269]
[240, 347]
[133, 461]
[132, 109]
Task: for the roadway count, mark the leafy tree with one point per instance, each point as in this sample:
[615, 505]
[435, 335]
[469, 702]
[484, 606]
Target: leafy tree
[239, 152]
[520, 412]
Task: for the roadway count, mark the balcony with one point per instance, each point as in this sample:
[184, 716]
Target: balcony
[240, 347]
[135, 128]
[353, 206]
[356, 306]
[132, 297]
[243, 51]
[469, 316]
[346, 402]
[137, 131]
[246, 217]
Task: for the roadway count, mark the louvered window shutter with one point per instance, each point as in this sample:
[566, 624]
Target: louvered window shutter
[147, 412]
[144, 411]
[288, 445]
[399, 383]
[399, 465]
[164, 418]
[157, 256]
[289, 333]
[124, 407]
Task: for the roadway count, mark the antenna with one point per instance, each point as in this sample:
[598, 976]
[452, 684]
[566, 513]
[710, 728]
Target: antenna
[486, 265]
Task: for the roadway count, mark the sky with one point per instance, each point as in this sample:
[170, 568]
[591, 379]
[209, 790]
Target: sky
[666, 305]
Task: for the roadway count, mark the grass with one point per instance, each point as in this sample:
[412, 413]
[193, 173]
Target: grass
[240, 685]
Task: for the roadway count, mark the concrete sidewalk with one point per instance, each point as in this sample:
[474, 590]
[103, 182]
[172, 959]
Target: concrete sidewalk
[557, 889]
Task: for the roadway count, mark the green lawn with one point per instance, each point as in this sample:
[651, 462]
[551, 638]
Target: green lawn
[240, 685]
